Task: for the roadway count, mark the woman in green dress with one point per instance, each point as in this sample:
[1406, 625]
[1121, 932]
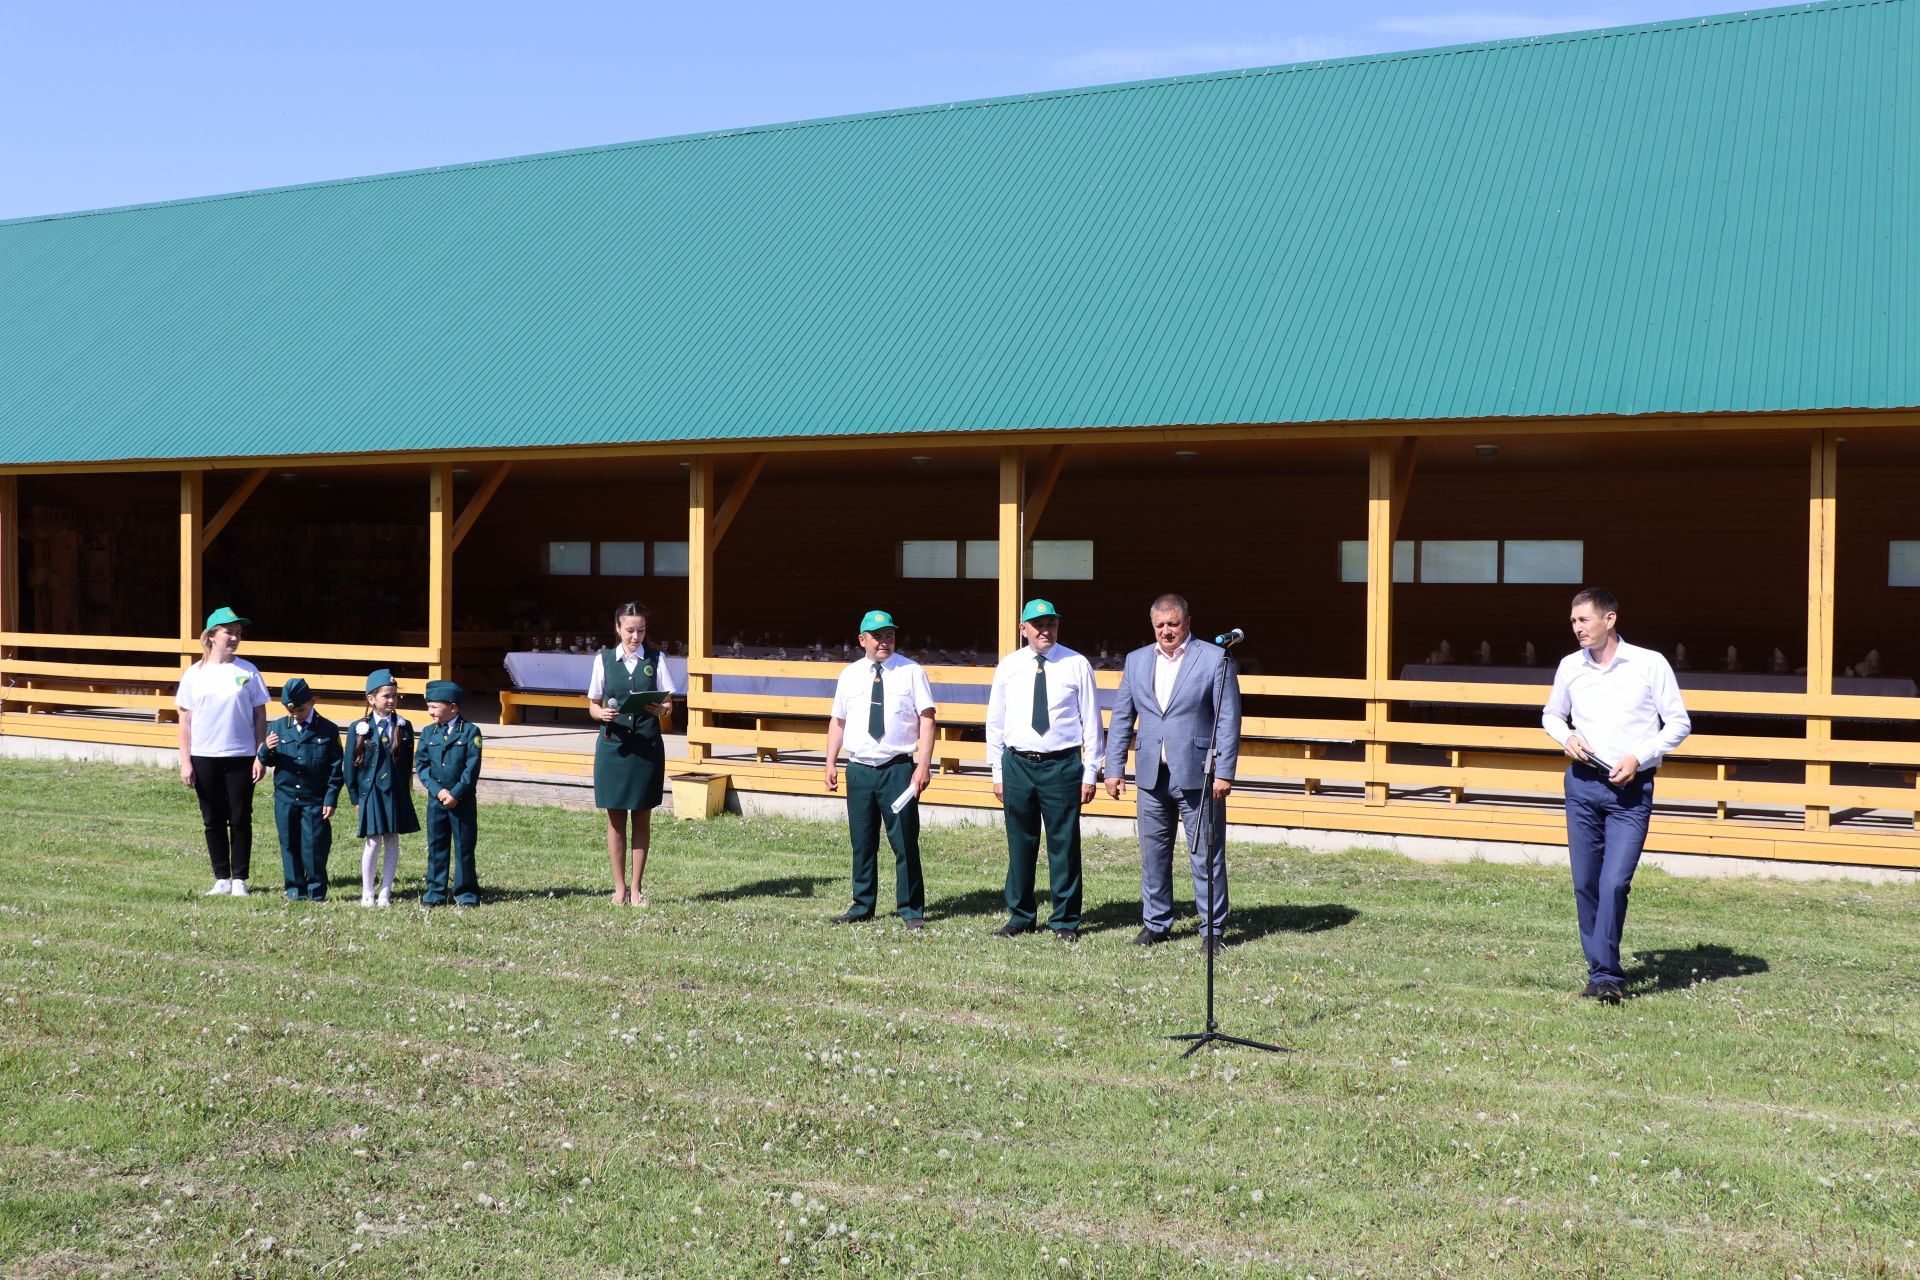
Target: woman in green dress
[629, 760]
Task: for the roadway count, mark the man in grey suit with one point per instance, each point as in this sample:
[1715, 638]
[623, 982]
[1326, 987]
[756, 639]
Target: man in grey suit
[1169, 691]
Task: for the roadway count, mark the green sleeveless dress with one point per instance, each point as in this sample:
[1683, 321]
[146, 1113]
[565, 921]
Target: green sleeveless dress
[629, 759]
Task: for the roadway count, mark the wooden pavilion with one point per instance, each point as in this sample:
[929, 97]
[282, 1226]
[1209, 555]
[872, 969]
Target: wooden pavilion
[1378, 359]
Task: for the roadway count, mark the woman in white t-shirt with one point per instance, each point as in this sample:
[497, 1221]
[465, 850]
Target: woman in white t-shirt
[223, 721]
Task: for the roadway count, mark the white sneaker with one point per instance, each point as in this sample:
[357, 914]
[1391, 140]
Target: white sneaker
[384, 900]
[239, 889]
[220, 889]
[366, 899]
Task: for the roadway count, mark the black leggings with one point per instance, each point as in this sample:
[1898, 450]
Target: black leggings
[225, 787]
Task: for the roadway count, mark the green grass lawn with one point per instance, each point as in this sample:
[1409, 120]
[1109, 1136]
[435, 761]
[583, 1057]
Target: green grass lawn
[725, 1084]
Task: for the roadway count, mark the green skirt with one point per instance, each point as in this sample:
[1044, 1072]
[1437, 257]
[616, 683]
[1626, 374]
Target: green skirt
[629, 769]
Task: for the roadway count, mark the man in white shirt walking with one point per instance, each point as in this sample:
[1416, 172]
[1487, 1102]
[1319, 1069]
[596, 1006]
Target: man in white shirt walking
[1043, 744]
[1616, 711]
[883, 714]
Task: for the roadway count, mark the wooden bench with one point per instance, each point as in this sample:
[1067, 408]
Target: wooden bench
[511, 700]
[1906, 773]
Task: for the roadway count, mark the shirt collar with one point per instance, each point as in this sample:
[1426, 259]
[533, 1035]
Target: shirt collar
[1176, 655]
[1622, 652]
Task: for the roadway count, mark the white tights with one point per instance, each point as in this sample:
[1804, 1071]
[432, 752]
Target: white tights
[367, 855]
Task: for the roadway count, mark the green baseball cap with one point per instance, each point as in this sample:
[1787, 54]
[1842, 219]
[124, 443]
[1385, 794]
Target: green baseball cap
[223, 615]
[878, 620]
[1038, 609]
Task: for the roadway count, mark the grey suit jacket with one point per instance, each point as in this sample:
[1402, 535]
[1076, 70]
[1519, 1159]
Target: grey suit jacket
[1184, 729]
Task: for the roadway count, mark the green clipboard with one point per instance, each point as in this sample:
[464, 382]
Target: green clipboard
[643, 701]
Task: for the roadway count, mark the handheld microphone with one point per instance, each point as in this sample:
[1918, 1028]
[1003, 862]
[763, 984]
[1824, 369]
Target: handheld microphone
[1230, 639]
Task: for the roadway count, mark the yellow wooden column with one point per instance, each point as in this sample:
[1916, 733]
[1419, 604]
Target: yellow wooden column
[1013, 541]
[1384, 466]
[1822, 509]
[192, 505]
[702, 507]
[9, 557]
[440, 543]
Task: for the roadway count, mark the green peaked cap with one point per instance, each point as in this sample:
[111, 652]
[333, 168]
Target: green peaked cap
[878, 620]
[223, 615]
[1038, 609]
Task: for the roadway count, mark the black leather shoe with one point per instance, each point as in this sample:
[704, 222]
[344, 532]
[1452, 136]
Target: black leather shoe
[1589, 991]
[1212, 946]
[1012, 930]
[1151, 937]
[1607, 992]
[847, 917]
[1067, 935]
[915, 922]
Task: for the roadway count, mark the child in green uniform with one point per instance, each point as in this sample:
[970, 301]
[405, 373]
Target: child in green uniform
[449, 768]
[379, 778]
[303, 750]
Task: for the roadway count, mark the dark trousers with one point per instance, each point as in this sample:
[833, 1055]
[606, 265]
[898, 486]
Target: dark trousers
[871, 791]
[1606, 830]
[452, 832]
[224, 786]
[306, 839]
[1036, 794]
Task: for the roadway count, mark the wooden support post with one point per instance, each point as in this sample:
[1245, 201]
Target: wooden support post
[192, 494]
[218, 520]
[1822, 508]
[701, 508]
[1384, 466]
[1403, 460]
[9, 557]
[736, 498]
[1013, 480]
[440, 570]
[478, 503]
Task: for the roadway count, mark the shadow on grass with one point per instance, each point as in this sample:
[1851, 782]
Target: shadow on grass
[975, 902]
[1243, 924]
[778, 887]
[516, 895]
[1679, 969]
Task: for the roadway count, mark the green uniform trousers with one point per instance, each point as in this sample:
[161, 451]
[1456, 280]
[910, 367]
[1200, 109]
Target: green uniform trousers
[306, 839]
[871, 791]
[1037, 792]
[452, 832]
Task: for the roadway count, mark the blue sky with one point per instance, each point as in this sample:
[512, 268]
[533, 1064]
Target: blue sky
[117, 103]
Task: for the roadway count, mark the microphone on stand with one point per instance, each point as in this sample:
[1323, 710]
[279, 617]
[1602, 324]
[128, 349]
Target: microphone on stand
[1230, 639]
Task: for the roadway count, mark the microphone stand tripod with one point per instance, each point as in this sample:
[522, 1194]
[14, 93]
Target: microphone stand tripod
[1204, 829]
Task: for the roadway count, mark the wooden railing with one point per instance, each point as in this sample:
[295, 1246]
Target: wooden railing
[1464, 760]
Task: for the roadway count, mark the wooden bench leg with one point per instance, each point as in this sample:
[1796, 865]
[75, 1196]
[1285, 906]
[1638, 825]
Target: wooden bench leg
[947, 733]
[509, 709]
[1720, 806]
[764, 755]
[1310, 786]
[1455, 794]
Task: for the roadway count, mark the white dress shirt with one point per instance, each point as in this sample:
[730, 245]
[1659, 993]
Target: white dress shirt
[904, 692]
[1631, 706]
[1166, 671]
[1073, 708]
[630, 659]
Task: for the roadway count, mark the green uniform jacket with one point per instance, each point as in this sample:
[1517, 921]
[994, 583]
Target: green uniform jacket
[381, 785]
[307, 763]
[449, 757]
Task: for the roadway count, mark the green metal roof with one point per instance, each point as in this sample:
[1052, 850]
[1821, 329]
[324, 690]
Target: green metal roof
[1702, 216]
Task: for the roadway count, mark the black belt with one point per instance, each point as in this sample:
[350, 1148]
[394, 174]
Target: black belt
[884, 764]
[1037, 757]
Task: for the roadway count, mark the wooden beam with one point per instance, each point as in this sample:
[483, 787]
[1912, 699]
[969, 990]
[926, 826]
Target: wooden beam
[1403, 460]
[701, 509]
[212, 528]
[9, 557]
[736, 497]
[1383, 469]
[1013, 477]
[440, 570]
[1822, 545]
[192, 494]
[478, 503]
[1043, 489]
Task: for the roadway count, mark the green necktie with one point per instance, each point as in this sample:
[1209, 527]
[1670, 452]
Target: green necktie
[876, 718]
[1040, 696]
